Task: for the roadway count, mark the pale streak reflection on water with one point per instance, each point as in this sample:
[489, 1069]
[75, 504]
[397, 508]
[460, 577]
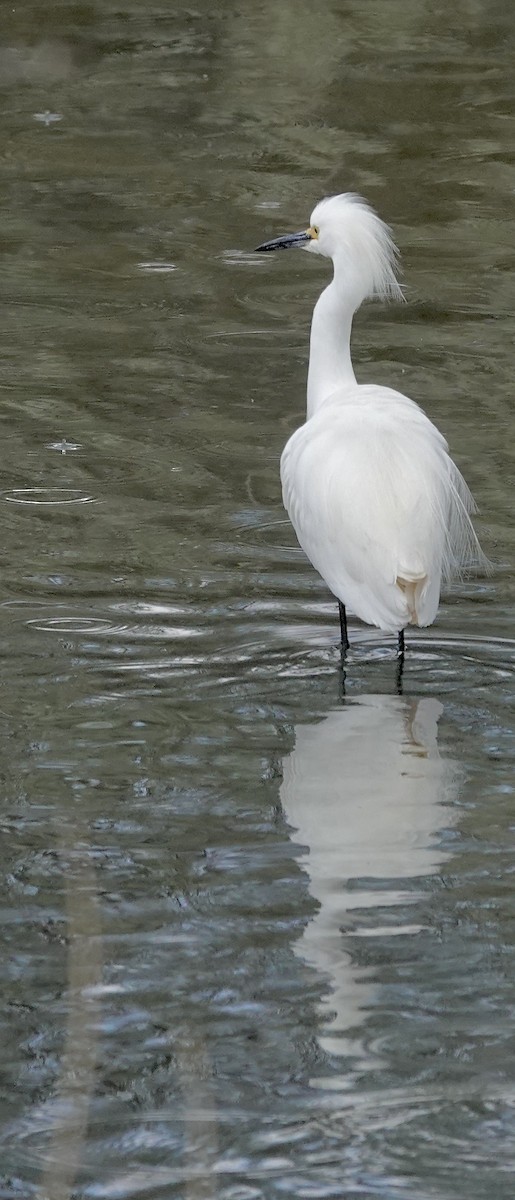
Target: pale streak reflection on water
[257, 935]
[365, 790]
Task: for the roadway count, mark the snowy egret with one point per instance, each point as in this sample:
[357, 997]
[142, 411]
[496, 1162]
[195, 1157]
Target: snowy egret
[376, 502]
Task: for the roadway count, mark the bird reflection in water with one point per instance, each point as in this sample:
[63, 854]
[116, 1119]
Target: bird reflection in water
[366, 792]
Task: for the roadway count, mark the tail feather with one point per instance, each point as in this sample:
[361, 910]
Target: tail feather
[412, 590]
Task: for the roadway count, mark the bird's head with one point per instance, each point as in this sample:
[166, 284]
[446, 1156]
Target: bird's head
[345, 229]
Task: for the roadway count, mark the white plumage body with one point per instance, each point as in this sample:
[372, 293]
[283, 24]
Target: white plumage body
[376, 502]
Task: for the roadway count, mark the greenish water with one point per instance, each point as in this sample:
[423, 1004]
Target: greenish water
[256, 942]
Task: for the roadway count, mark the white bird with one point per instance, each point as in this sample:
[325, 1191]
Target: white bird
[376, 502]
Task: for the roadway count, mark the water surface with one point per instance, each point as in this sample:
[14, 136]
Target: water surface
[257, 932]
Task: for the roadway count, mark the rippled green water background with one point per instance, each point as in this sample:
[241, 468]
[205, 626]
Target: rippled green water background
[257, 942]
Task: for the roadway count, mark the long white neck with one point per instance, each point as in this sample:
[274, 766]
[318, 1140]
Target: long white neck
[330, 365]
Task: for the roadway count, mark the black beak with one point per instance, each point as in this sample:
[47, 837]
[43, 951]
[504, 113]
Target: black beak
[287, 240]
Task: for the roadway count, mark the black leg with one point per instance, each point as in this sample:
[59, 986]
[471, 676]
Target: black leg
[400, 661]
[343, 629]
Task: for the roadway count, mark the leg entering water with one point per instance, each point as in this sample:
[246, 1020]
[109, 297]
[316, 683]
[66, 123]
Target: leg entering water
[343, 629]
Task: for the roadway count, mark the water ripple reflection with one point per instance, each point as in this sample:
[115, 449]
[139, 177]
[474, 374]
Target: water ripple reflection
[46, 496]
[267, 636]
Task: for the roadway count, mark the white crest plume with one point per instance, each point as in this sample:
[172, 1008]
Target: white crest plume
[350, 227]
